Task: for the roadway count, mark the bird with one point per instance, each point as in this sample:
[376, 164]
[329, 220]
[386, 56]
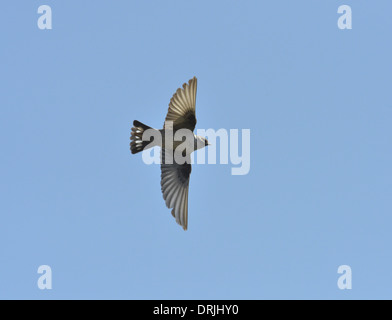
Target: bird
[175, 174]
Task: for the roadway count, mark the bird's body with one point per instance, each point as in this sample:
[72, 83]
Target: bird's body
[177, 142]
[194, 142]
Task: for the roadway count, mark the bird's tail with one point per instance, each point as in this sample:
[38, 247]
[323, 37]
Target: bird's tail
[137, 144]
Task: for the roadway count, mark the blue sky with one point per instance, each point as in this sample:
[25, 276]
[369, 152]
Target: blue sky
[317, 102]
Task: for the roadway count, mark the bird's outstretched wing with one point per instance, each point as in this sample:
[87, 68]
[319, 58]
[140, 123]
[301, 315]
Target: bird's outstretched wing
[175, 185]
[182, 107]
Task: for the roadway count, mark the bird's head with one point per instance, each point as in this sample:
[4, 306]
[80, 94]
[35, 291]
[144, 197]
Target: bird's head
[201, 142]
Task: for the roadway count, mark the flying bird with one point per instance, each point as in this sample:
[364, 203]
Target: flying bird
[175, 174]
